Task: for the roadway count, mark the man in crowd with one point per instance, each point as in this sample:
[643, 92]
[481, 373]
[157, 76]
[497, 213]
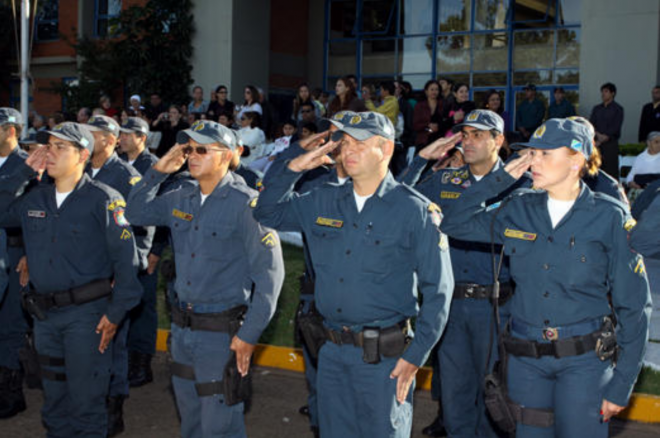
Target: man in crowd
[650, 118]
[83, 115]
[390, 104]
[530, 112]
[367, 239]
[83, 266]
[560, 108]
[607, 119]
[308, 115]
[155, 107]
[229, 269]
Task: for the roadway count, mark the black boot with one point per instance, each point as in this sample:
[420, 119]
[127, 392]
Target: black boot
[115, 415]
[140, 373]
[435, 429]
[12, 400]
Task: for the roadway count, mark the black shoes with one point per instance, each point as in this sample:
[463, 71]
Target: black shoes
[115, 415]
[435, 429]
[12, 400]
[304, 410]
[139, 369]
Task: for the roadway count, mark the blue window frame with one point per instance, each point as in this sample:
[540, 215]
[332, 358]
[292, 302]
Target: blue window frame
[488, 44]
[46, 21]
[105, 14]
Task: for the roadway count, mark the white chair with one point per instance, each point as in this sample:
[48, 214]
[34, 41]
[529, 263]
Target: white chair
[625, 164]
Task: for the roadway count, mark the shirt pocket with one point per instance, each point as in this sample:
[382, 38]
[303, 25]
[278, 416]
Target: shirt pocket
[382, 254]
[521, 256]
[324, 245]
[586, 264]
[218, 245]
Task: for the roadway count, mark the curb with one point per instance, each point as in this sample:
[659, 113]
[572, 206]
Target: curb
[642, 407]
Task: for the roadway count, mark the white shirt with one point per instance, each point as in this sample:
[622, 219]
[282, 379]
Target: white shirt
[254, 108]
[478, 177]
[558, 209]
[3, 159]
[342, 180]
[203, 198]
[644, 163]
[360, 200]
[60, 197]
[131, 162]
[95, 172]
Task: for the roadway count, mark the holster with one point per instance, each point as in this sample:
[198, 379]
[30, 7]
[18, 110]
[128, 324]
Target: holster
[606, 345]
[496, 401]
[312, 330]
[31, 306]
[237, 388]
[29, 359]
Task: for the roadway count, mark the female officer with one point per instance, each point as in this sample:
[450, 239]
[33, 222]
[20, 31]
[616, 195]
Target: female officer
[568, 249]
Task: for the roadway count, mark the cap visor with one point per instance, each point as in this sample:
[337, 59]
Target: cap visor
[44, 136]
[533, 145]
[358, 134]
[479, 126]
[128, 131]
[183, 136]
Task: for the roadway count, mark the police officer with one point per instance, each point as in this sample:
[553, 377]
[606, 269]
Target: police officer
[105, 166]
[14, 323]
[464, 348]
[250, 176]
[220, 252]
[645, 236]
[143, 318]
[367, 238]
[568, 248]
[83, 265]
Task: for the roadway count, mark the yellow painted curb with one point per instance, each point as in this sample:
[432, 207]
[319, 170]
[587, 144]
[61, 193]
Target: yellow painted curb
[642, 407]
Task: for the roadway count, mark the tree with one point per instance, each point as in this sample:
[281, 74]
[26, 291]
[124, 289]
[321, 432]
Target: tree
[150, 51]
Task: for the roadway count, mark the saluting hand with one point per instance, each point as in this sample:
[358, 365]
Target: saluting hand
[314, 141]
[107, 331]
[314, 158]
[243, 352]
[440, 147]
[516, 168]
[172, 160]
[405, 373]
[37, 161]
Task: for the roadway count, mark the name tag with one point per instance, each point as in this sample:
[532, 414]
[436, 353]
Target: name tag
[332, 223]
[517, 234]
[181, 215]
[36, 213]
[449, 195]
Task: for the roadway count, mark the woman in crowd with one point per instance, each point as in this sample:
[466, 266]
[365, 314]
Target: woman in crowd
[303, 96]
[251, 104]
[169, 124]
[252, 136]
[346, 98]
[427, 114]
[106, 104]
[575, 274]
[494, 103]
[455, 112]
[198, 104]
[221, 104]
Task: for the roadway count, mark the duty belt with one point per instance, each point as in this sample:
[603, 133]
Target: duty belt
[227, 321]
[559, 348]
[479, 291]
[77, 295]
[356, 338]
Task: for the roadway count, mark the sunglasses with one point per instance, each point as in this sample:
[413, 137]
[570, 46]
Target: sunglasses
[200, 150]
[306, 111]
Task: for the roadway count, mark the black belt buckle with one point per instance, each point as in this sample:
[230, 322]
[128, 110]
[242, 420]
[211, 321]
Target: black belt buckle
[470, 290]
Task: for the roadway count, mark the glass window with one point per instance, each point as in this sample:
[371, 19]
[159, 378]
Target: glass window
[417, 81]
[415, 17]
[453, 53]
[569, 12]
[489, 79]
[106, 13]
[573, 96]
[537, 77]
[534, 13]
[533, 49]
[456, 78]
[341, 58]
[568, 48]
[542, 95]
[342, 19]
[490, 14]
[415, 55]
[46, 21]
[378, 17]
[568, 76]
[454, 15]
[379, 57]
[490, 51]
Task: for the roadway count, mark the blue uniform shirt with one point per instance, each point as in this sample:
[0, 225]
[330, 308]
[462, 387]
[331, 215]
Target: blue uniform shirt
[603, 183]
[143, 162]
[563, 274]
[250, 176]
[472, 261]
[86, 239]
[220, 250]
[121, 176]
[364, 262]
[645, 236]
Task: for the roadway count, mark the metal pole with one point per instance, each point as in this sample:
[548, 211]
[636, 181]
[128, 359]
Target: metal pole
[25, 65]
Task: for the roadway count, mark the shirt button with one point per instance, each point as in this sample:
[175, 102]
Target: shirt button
[341, 280]
[188, 283]
[53, 240]
[546, 294]
[546, 322]
[348, 252]
[192, 255]
[355, 225]
[196, 228]
[465, 271]
[546, 266]
[339, 310]
[550, 239]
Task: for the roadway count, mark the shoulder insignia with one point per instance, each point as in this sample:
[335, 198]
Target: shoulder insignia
[445, 177]
[457, 180]
[435, 213]
[125, 234]
[119, 203]
[269, 240]
[36, 213]
[450, 195]
[119, 217]
[630, 224]
[493, 206]
[181, 215]
[332, 223]
[253, 202]
[517, 234]
[640, 268]
[135, 180]
[444, 242]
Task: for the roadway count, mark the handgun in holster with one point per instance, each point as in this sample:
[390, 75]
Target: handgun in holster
[313, 331]
[606, 344]
[496, 400]
[31, 306]
[237, 388]
[29, 359]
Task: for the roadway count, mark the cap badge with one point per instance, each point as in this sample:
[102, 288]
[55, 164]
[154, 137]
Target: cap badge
[11, 119]
[58, 127]
[355, 120]
[539, 132]
[198, 126]
[576, 145]
[473, 117]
